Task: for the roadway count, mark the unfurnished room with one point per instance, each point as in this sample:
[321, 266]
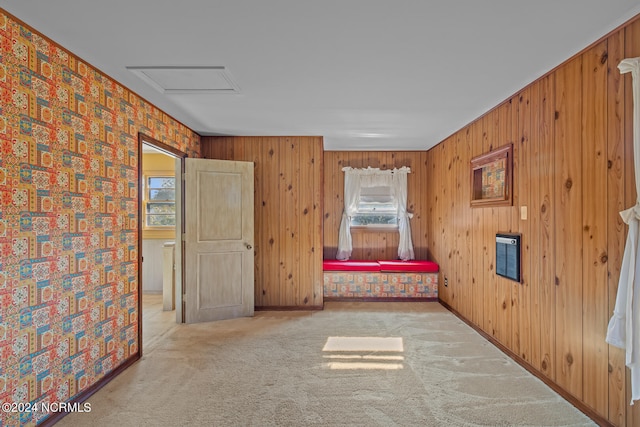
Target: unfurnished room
[332, 213]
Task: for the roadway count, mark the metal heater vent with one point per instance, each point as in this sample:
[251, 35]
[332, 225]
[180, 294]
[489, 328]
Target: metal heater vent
[508, 256]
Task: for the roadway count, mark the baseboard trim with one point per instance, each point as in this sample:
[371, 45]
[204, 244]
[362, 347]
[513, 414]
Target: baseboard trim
[287, 307]
[380, 299]
[85, 395]
[597, 418]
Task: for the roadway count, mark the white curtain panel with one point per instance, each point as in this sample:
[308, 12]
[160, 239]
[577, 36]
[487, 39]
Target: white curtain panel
[354, 180]
[405, 248]
[624, 326]
[351, 197]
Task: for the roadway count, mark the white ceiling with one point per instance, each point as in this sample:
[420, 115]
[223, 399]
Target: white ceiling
[364, 74]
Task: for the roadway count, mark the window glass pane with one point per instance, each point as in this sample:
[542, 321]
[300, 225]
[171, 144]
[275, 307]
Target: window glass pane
[161, 182]
[376, 207]
[374, 219]
[161, 220]
[378, 200]
[384, 192]
[162, 194]
[161, 208]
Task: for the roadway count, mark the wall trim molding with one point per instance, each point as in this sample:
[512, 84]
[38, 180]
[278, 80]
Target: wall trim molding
[288, 307]
[380, 299]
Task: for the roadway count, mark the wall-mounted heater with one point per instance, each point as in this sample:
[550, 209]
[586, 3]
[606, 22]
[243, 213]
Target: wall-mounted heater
[508, 256]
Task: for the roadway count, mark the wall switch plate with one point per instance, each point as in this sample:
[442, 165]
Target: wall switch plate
[523, 212]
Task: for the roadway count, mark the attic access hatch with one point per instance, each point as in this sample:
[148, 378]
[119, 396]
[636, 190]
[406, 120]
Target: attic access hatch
[187, 79]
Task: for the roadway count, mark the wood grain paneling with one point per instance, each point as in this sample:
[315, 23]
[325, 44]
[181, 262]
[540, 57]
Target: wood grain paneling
[568, 200]
[378, 245]
[463, 224]
[543, 258]
[289, 192]
[616, 228]
[269, 208]
[313, 154]
[477, 238]
[523, 153]
[534, 218]
[594, 226]
[288, 215]
[573, 171]
[503, 331]
[489, 142]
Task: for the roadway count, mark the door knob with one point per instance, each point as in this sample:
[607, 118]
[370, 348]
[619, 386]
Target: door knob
[249, 246]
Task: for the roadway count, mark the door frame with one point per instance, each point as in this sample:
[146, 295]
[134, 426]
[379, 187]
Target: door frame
[180, 156]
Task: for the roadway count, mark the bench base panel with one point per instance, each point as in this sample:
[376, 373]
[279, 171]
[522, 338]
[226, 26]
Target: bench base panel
[372, 286]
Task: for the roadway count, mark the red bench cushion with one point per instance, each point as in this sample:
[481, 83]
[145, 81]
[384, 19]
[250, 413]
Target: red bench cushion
[350, 265]
[386, 266]
[417, 266]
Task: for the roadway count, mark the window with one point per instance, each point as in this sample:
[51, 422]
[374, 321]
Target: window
[375, 200]
[377, 207]
[159, 202]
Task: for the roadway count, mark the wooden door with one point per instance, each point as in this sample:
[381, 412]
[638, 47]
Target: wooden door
[218, 240]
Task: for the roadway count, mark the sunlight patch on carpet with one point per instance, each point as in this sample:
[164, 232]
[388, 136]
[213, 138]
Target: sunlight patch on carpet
[365, 357]
[378, 353]
[364, 344]
[364, 365]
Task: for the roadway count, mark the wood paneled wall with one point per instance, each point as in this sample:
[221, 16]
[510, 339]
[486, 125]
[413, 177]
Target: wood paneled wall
[573, 171]
[379, 245]
[288, 215]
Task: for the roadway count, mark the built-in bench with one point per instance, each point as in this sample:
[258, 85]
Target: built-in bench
[382, 279]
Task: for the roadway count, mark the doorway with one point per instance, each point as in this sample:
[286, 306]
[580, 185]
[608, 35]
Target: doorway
[219, 274]
[160, 249]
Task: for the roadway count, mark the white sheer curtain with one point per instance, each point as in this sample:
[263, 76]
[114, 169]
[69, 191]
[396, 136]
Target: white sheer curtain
[351, 197]
[405, 248]
[624, 326]
[354, 180]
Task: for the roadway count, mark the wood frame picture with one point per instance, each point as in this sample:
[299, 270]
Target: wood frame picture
[491, 178]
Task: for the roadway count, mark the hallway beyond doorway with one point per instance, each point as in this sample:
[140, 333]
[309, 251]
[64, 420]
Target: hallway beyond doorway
[156, 323]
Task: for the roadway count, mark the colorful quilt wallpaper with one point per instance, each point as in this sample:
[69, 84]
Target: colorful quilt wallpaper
[493, 179]
[68, 219]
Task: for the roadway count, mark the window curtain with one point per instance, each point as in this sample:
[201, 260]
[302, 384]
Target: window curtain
[405, 248]
[624, 327]
[351, 198]
[354, 179]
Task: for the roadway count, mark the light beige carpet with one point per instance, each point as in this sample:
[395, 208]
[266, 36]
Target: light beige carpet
[353, 364]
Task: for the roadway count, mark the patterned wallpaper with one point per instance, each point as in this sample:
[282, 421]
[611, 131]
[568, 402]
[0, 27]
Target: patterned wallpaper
[68, 219]
[355, 284]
